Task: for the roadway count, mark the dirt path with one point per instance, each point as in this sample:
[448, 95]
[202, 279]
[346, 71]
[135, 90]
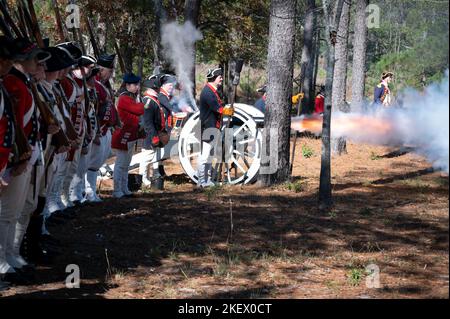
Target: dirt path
[391, 211]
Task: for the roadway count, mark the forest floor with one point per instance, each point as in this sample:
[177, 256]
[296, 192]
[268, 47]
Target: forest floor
[391, 211]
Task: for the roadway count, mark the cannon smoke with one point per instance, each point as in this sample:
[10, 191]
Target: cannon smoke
[178, 42]
[419, 120]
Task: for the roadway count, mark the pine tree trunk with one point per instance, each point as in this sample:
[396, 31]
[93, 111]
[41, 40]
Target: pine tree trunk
[331, 23]
[307, 62]
[160, 18]
[339, 94]
[191, 13]
[280, 75]
[316, 63]
[359, 55]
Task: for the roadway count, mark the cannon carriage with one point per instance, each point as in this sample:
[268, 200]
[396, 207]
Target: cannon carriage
[240, 161]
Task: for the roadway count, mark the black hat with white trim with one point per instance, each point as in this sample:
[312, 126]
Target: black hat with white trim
[167, 78]
[212, 74]
[27, 50]
[152, 82]
[87, 60]
[72, 49]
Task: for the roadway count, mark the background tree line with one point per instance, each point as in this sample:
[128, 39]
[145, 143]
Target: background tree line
[300, 44]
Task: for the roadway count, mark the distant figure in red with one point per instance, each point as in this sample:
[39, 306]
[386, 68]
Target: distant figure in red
[319, 104]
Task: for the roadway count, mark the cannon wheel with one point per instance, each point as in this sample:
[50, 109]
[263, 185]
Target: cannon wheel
[243, 159]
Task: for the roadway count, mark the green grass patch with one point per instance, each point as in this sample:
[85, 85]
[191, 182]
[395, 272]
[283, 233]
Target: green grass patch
[212, 192]
[355, 276]
[307, 151]
[297, 186]
[375, 157]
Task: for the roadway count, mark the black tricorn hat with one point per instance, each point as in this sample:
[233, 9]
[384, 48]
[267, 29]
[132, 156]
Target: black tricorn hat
[87, 60]
[59, 60]
[262, 89]
[213, 74]
[72, 49]
[27, 50]
[167, 78]
[386, 75]
[152, 82]
[106, 61]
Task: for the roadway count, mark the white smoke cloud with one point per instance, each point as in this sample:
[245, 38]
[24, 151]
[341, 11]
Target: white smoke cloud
[421, 121]
[178, 43]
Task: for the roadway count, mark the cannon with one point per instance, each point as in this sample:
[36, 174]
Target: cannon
[243, 156]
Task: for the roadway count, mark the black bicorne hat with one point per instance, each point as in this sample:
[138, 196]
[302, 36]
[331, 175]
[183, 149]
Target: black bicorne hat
[213, 74]
[87, 60]
[152, 82]
[386, 75]
[56, 62]
[262, 89]
[167, 78]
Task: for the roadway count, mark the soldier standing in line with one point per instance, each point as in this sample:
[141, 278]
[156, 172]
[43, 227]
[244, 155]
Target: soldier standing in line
[123, 139]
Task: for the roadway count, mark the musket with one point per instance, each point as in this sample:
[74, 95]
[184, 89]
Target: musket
[59, 23]
[92, 38]
[8, 20]
[22, 149]
[236, 80]
[87, 100]
[5, 28]
[31, 15]
[63, 104]
[48, 116]
[21, 21]
[117, 49]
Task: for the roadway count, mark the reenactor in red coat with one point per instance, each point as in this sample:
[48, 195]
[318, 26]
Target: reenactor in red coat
[71, 96]
[7, 134]
[123, 139]
[14, 218]
[6, 115]
[77, 185]
[106, 118]
[319, 102]
[55, 148]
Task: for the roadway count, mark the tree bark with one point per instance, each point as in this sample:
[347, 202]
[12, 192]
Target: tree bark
[331, 23]
[339, 91]
[160, 18]
[307, 61]
[191, 13]
[280, 74]
[316, 60]
[359, 56]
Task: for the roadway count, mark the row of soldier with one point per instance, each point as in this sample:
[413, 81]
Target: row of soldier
[59, 123]
[61, 104]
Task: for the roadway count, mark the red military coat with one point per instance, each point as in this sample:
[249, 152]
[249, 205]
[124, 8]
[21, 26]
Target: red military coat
[106, 112]
[319, 104]
[129, 113]
[6, 130]
[24, 108]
